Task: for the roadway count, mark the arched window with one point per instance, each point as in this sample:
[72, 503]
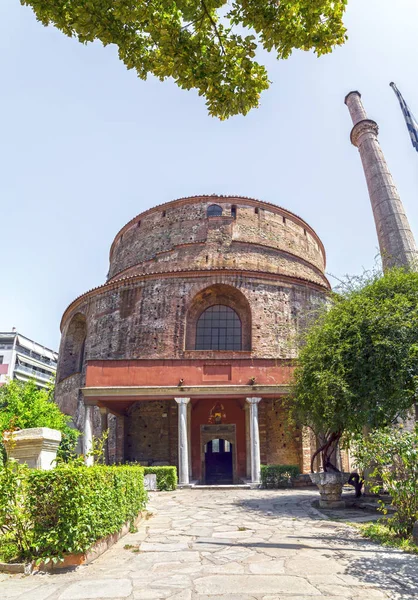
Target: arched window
[214, 210]
[219, 328]
[72, 353]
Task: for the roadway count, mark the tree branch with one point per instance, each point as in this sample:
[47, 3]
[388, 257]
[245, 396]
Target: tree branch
[218, 35]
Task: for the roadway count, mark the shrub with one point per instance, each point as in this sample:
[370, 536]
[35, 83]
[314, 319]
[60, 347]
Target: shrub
[278, 476]
[392, 457]
[166, 477]
[15, 522]
[70, 507]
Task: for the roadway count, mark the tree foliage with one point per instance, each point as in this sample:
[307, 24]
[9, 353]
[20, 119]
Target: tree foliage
[358, 366]
[208, 45]
[392, 457]
[23, 405]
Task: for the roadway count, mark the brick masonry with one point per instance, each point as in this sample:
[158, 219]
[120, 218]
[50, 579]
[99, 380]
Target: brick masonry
[165, 266]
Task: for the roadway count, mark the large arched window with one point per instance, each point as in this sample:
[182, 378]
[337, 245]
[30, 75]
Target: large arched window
[219, 328]
[218, 318]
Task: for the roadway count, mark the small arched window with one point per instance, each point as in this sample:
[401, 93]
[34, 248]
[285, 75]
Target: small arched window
[214, 210]
[219, 328]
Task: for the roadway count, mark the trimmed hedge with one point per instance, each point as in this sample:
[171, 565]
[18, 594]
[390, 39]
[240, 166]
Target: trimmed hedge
[166, 477]
[70, 507]
[278, 476]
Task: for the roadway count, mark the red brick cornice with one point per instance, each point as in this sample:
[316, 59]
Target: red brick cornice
[230, 199]
[184, 273]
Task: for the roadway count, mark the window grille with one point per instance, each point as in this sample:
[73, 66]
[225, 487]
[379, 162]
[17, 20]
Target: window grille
[219, 328]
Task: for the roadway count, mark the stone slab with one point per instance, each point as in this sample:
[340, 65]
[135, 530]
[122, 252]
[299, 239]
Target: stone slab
[98, 588]
[253, 584]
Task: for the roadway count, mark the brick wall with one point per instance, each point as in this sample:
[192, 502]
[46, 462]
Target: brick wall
[282, 444]
[171, 255]
[183, 236]
[148, 432]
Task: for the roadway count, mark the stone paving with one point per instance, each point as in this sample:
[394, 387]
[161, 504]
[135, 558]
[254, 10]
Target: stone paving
[232, 545]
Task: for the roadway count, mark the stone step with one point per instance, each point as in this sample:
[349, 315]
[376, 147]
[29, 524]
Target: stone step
[239, 486]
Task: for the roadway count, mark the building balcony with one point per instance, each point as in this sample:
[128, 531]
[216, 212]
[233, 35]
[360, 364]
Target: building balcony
[34, 372]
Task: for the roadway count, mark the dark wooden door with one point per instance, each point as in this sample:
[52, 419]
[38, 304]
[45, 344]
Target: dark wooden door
[218, 462]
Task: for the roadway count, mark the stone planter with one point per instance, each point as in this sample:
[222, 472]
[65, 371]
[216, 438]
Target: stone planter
[330, 487]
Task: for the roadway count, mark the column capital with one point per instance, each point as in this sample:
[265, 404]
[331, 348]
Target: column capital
[103, 410]
[253, 400]
[362, 127]
[90, 402]
[182, 400]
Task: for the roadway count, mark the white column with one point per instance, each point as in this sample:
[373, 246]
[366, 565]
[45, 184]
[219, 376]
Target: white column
[184, 478]
[88, 434]
[254, 440]
[104, 427]
[247, 440]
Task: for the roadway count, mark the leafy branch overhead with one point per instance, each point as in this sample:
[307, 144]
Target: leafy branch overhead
[208, 45]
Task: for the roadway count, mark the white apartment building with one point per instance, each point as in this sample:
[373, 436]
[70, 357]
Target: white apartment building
[24, 359]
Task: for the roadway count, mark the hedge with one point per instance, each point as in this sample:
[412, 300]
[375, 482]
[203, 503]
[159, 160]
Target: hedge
[166, 477]
[69, 508]
[278, 476]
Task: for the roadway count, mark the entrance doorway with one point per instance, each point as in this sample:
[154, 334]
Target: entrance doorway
[218, 454]
[218, 462]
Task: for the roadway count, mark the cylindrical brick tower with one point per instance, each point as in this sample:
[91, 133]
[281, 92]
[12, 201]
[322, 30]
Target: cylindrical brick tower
[396, 240]
[192, 338]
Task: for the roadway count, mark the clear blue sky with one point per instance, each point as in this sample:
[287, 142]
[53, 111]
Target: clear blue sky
[85, 146]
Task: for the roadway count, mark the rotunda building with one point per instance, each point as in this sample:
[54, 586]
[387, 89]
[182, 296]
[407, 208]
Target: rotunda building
[186, 352]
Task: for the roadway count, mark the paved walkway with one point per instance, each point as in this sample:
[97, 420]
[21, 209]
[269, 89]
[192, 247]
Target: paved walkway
[233, 545]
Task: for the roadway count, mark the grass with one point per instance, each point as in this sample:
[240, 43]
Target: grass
[381, 533]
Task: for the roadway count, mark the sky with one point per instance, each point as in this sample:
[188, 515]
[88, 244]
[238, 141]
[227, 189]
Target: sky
[85, 146]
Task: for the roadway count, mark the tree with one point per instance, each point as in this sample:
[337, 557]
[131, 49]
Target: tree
[195, 43]
[358, 366]
[23, 405]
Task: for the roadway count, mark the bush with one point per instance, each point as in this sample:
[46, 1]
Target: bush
[166, 477]
[15, 522]
[392, 457]
[68, 508]
[278, 476]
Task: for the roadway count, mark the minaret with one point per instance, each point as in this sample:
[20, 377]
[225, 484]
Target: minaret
[396, 240]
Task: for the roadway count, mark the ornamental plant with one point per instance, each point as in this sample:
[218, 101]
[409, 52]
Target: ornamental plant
[358, 362]
[46, 514]
[278, 476]
[206, 45]
[391, 456]
[166, 477]
[15, 521]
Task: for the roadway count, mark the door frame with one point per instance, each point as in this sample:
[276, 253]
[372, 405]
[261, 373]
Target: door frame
[214, 432]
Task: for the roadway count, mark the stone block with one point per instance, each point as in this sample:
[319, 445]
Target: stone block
[37, 446]
[150, 482]
[415, 533]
